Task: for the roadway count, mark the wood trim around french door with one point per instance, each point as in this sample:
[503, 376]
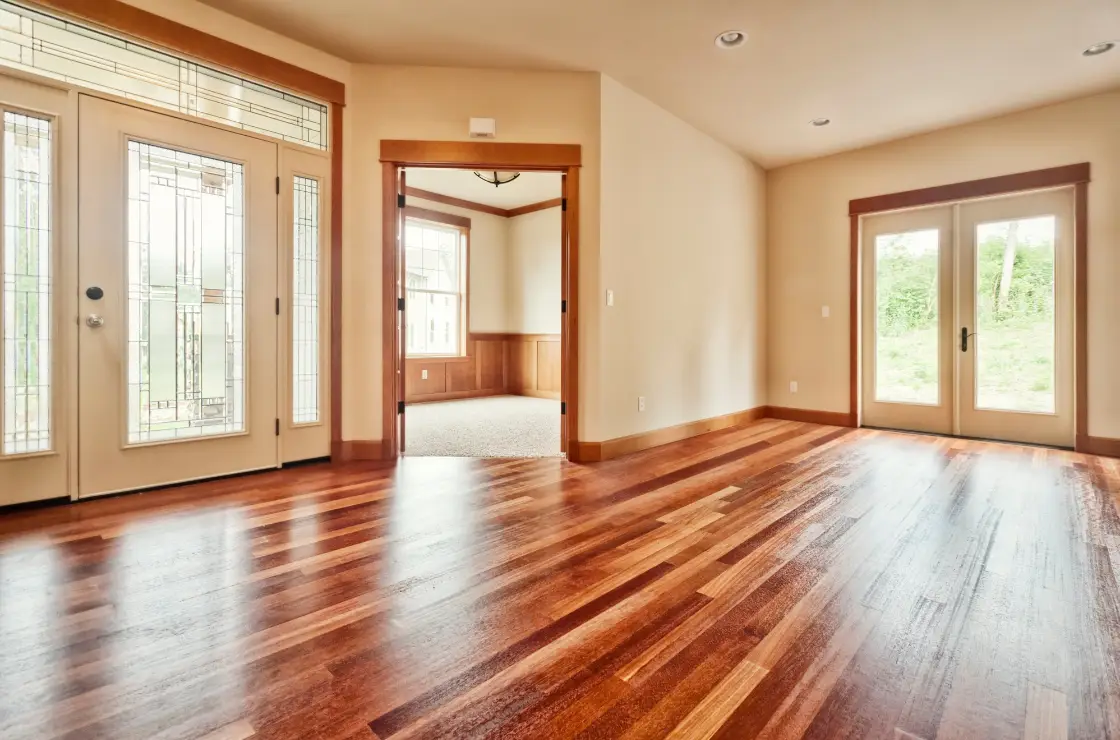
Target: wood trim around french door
[395, 155]
[1077, 175]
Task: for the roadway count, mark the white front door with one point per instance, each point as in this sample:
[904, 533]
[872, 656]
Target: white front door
[177, 286]
[33, 387]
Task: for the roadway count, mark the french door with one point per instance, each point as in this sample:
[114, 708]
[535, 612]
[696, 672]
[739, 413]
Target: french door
[177, 275]
[968, 319]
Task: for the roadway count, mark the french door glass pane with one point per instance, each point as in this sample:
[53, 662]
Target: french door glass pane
[27, 285]
[906, 317]
[186, 300]
[305, 302]
[1015, 315]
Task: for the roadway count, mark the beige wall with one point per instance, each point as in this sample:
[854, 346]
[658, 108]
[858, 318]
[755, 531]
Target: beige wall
[682, 246]
[533, 273]
[435, 103]
[489, 245]
[808, 238]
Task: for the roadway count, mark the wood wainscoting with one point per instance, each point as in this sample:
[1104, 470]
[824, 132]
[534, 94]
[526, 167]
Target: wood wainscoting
[533, 365]
[495, 364]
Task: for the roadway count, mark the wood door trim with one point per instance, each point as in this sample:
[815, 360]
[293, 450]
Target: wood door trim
[395, 154]
[543, 205]
[1002, 185]
[1077, 175]
[448, 200]
[147, 26]
[481, 155]
[336, 275]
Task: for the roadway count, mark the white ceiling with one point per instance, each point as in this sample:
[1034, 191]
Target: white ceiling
[880, 69]
[530, 187]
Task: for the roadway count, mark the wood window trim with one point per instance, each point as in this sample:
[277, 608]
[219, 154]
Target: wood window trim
[1075, 175]
[463, 226]
[142, 24]
[563, 158]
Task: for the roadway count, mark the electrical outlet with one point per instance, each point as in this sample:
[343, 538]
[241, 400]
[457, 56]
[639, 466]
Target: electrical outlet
[423, 375]
[610, 297]
[793, 386]
[825, 312]
[641, 403]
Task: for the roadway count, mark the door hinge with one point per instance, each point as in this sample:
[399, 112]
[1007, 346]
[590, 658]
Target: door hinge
[400, 407]
[563, 408]
[278, 185]
[563, 204]
[400, 200]
[277, 306]
[400, 304]
[563, 307]
[277, 427]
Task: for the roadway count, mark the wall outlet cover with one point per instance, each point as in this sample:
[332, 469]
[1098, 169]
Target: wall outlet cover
[793, 386]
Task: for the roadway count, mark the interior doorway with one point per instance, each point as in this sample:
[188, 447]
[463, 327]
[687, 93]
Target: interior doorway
[401, 157]
[968, 318]
[482, 313]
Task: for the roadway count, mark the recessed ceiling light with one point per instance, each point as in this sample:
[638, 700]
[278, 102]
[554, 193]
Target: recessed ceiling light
[821, 121]
[730, 39]
[1100, 48]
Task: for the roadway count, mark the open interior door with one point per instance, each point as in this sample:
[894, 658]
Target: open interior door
[402, 306]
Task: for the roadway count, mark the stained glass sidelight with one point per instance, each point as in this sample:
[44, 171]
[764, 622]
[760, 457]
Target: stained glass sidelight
[305, 301]
[64, 50]
[27, 285]
[186, 300]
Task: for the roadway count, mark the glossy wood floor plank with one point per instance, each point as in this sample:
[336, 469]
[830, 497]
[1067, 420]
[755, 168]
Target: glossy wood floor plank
[779, 581]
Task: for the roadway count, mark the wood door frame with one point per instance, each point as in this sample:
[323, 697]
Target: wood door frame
[1075, 175]
[565, 159]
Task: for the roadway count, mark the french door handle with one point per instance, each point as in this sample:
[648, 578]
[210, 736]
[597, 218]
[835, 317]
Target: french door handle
[964, 338]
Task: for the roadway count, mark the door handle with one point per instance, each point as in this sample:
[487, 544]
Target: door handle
[95, 321]
[964, 338]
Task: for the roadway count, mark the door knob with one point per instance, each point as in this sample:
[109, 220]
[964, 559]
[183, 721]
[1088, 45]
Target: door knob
[93, 321]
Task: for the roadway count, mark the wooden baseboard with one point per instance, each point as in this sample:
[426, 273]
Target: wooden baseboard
[830, 418]
[612, 448]
[455, 396]
[358, 449]
[534, 393]
[1098, 445]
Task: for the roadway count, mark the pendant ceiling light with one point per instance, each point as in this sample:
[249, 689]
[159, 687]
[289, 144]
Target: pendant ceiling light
[497, 178]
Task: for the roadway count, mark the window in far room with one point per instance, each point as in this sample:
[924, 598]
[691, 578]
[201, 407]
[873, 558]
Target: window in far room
[436, 284]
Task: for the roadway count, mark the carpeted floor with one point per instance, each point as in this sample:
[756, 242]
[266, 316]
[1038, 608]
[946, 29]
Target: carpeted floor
[498, 426]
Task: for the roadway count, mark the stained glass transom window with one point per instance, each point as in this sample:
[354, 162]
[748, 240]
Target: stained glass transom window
[186, 299]
[63, 50]
[27, 285]
[305, 301]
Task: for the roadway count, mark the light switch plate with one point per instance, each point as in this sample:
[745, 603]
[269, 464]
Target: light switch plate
[793, 386]
[610, 297]
[825, 311]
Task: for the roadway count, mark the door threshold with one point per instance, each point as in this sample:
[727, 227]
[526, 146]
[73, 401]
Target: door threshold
[973, 439]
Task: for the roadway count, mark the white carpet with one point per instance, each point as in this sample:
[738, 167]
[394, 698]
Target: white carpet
[498, 426]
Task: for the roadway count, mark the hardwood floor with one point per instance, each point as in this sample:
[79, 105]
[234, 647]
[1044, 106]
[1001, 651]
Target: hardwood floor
[785, 580]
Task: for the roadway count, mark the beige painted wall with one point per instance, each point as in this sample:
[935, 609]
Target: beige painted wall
[683, 248]
[489, 246]
[533, 273]
[808, 238]
[435, 103]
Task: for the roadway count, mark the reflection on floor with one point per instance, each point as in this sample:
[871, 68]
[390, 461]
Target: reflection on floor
[498, 426]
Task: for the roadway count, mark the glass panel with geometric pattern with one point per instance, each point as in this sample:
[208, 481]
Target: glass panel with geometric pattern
[186, 295]
[75, 53]
[27, 285]
[305, 301]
